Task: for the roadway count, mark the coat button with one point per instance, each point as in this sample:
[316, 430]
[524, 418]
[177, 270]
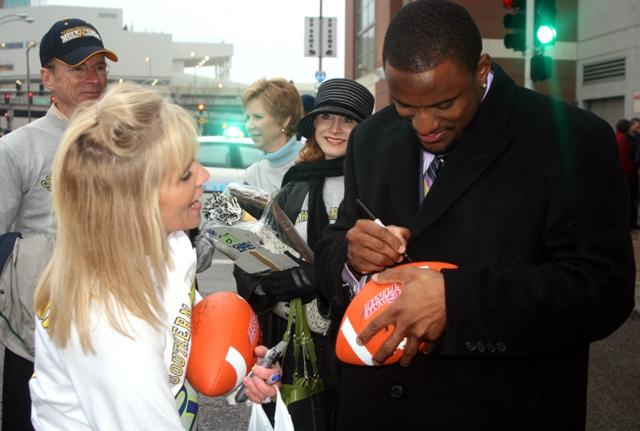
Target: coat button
[501, 346]
[396, 391]
[1, 291]
[470, 345]
[491, 347]
[480, 347]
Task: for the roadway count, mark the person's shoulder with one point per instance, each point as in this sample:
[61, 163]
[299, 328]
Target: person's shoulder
[380, 118]
[542, 109]
[24, 135]
[254, 167]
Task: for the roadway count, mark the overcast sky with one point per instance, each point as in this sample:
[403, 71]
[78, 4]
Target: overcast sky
[267, 35]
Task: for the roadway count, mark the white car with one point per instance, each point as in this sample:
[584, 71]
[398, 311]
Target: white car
[226, 159]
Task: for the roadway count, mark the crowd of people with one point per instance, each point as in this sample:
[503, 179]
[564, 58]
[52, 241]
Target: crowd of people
[628, 141]
[98, 196]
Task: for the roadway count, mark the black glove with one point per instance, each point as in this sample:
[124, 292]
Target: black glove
[298, 282]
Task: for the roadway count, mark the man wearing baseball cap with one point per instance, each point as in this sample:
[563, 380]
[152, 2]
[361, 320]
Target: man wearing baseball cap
[74, 68]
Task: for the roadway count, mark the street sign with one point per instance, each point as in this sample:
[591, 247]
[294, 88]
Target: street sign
[312, 36]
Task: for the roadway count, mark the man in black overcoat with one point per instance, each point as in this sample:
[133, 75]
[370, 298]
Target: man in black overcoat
[529, 202]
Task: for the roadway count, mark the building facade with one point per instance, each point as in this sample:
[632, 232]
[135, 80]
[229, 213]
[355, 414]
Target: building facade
[608, 58]
[146, 58]
[367, 20]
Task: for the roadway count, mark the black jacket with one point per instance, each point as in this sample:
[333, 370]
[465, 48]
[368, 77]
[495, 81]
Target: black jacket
[532, 206]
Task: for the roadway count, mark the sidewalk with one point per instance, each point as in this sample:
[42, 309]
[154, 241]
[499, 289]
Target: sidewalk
[635, 236]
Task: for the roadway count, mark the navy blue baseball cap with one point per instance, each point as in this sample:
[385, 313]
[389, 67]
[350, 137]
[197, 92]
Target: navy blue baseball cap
[72, 41]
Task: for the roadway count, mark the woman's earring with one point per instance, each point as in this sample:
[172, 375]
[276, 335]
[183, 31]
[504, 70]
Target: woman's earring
[283, 131]
[484, 85]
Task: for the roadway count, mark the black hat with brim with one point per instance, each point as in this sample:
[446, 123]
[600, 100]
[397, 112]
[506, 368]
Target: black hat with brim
[341, 97]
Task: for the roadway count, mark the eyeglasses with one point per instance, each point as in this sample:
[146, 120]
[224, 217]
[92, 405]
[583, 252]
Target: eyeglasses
[83, 70]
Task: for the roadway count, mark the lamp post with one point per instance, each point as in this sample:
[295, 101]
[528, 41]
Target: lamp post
[31, 44]
[148, 61]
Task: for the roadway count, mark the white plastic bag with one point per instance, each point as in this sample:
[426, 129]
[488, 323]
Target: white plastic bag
[260, 422]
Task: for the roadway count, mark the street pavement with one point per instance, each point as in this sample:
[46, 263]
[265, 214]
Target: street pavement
[613, 399]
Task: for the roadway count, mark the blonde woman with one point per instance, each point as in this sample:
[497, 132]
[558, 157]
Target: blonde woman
[114, 305]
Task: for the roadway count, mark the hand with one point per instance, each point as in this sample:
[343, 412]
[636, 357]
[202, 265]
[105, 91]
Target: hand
[418, 314]
[261, 387]
[372, 248]
[299, 282]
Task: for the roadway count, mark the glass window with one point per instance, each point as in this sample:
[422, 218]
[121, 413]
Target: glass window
[365, 37]
[214, 155]
[249, 155]
[11, 45]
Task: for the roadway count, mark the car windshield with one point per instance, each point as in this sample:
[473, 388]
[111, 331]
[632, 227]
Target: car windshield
[222, 152]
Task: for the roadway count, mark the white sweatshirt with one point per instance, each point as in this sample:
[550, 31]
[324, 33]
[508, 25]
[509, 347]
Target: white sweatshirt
[133, 383]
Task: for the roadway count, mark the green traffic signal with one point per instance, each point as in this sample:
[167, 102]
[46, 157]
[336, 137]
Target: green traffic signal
[546, 34]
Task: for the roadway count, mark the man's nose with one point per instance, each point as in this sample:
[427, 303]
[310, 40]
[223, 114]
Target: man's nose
[424, 122]
[91, 74]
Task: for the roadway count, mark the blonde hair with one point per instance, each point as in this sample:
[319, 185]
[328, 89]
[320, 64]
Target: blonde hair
[281, 100]
[111, 251]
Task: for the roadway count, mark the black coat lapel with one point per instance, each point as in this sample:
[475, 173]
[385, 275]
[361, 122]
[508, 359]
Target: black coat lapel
[473, 155]
[400, 169]
[484, 140]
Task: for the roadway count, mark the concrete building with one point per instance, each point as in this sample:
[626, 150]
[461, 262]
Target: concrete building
[608, 58]
[148, 58]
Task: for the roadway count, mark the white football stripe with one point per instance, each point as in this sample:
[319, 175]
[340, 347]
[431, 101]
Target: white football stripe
[350, 335]
[235, 359]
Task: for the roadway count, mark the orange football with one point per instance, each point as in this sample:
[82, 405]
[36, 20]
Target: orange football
[224, 334]
[370, 301]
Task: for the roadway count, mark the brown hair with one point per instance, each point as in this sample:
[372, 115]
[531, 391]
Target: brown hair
[311, 151]
[281, 100]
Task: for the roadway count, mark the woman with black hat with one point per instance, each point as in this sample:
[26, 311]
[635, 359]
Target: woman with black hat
[311, 193]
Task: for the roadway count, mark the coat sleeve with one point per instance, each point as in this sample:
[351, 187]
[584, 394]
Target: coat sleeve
[581, 286]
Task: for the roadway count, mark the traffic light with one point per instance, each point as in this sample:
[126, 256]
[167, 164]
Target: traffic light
[540, 67]
[30, 95]
[545, 33]
[7, 98]
[201, 107]
[18, 87]
[516, 21]
[41, 89]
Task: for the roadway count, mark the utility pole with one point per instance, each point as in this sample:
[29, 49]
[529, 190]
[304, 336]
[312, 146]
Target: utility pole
[528, 53]
[31, 44]
[320, 44]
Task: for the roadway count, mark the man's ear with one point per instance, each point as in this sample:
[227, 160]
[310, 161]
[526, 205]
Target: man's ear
[46, 76]
[484, 66]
